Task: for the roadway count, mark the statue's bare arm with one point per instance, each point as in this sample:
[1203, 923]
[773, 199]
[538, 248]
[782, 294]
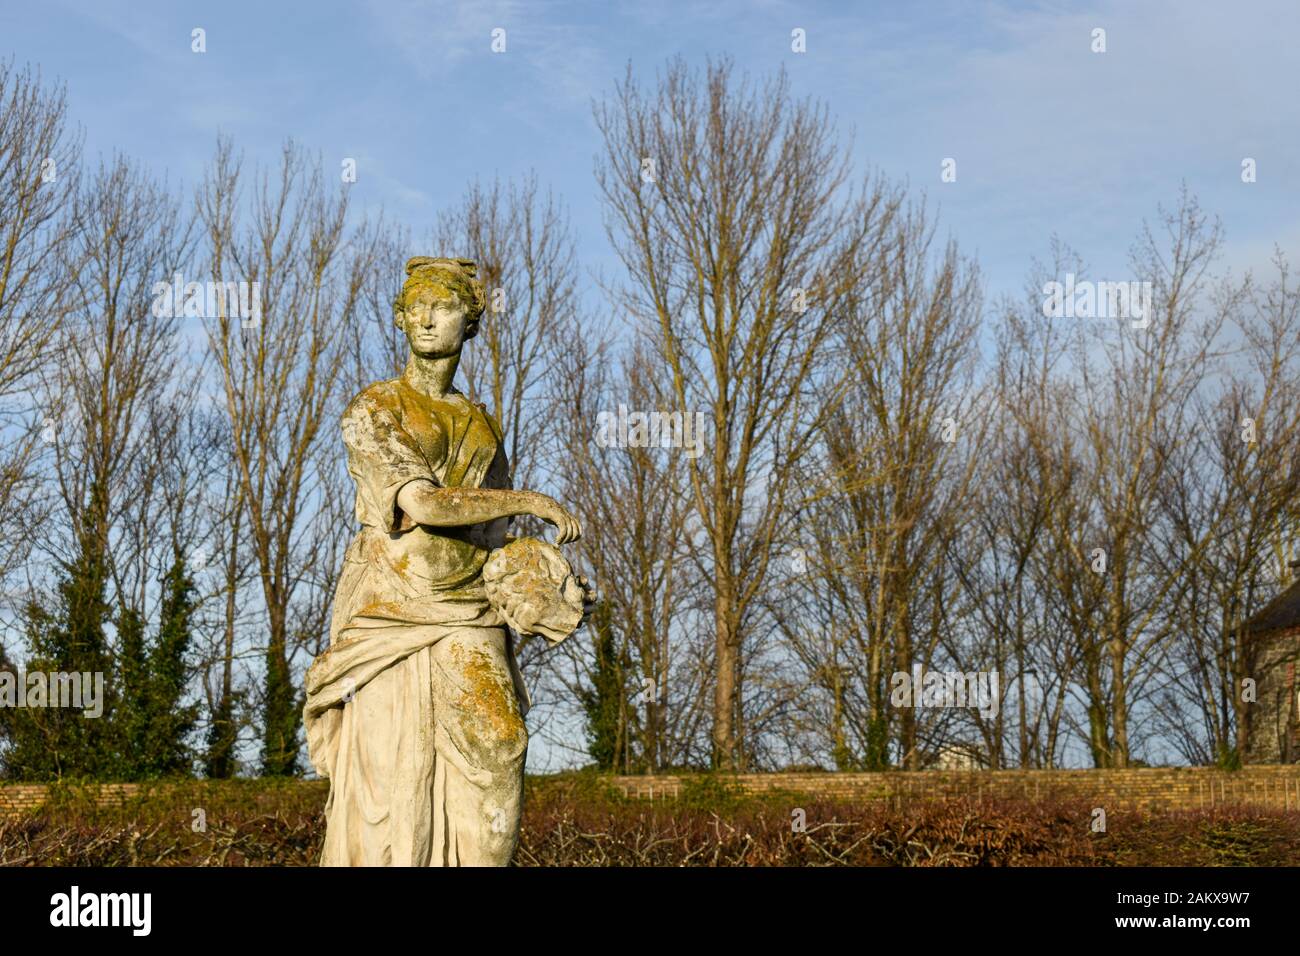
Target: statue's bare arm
[436, 507]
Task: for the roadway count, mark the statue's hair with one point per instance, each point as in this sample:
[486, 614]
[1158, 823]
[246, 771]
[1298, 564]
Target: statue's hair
[445, 279]
[531, 584]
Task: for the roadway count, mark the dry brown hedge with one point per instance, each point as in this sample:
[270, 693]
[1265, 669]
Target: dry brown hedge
[576, 820]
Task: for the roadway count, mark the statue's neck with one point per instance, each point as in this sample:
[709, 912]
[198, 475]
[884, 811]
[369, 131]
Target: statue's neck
[432, 376]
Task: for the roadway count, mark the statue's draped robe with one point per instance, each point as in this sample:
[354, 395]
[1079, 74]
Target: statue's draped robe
[415, 711]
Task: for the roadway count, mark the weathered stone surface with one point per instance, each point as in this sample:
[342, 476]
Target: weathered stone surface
[415, 712]
[533, 587]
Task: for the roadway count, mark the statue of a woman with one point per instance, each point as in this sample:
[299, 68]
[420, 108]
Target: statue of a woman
[415, 712]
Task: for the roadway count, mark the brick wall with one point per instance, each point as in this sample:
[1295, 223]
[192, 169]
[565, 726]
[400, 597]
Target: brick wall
[1152, 789]
[20, 798]
[1165, 788]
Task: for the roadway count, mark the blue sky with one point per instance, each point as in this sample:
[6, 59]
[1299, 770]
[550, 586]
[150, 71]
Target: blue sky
[1049, 137]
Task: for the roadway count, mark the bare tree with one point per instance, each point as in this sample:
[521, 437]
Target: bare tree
[283, 387]
[38, 184]
[636, 507]
[898, 453]
[523, 246]
[1235, 483]
[115, 397]
[730, 210]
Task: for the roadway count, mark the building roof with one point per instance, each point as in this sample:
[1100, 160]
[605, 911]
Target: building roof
[1278, 614]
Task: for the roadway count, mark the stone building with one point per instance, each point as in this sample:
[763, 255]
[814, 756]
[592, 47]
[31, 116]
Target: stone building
[1273, 729]
[958, 756]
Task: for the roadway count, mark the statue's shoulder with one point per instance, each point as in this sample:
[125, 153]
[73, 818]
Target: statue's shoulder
[491, 420]
[375, 397]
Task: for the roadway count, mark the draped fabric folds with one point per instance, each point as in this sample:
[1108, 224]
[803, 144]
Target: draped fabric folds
[415, 711]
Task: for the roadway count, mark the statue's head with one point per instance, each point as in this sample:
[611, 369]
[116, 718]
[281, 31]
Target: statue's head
[440, 305]
[532, 586]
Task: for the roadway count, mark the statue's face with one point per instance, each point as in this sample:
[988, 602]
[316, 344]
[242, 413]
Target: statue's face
[435, 328]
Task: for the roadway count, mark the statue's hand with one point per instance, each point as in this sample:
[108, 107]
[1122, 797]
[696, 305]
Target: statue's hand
[552, 512]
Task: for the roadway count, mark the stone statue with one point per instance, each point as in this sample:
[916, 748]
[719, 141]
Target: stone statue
[415, 712]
